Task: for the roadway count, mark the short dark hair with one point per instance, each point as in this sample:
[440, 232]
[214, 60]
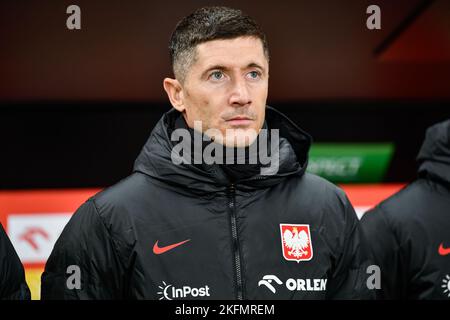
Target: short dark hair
[207, 24]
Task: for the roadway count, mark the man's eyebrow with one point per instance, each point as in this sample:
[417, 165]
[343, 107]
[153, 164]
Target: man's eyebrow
[255, 65]
[214, 67]
[224, 68]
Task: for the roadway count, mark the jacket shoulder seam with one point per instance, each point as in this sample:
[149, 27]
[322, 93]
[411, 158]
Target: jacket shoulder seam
[104, 226]
[385, 220]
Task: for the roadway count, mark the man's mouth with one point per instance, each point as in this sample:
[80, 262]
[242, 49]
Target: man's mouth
[239, 121]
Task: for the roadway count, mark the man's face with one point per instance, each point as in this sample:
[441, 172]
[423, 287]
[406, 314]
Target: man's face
[226, 88]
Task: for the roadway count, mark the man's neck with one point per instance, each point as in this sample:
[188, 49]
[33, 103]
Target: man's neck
[236, 161]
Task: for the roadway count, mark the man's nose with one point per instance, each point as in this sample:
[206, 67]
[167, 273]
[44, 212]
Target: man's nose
[240, 95]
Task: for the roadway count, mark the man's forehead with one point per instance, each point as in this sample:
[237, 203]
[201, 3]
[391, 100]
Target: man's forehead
[238, 52]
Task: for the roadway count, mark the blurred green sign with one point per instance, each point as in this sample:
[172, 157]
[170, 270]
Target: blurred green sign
[350, 162]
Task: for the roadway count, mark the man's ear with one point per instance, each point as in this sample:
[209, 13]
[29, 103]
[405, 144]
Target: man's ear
[175, 93]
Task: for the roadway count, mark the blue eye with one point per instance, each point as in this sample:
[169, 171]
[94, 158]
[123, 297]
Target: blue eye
[254, 74]
[217, 75]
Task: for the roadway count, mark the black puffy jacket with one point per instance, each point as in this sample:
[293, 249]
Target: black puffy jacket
[12, 276]
[409, 233]
[185, 232]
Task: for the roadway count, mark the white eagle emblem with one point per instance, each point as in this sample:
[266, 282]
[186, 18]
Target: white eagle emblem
[296, 242]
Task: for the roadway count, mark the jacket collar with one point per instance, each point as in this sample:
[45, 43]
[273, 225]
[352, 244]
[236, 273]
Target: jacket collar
[155, 158]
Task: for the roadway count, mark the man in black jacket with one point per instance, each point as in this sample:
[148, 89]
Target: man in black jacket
[207, 222]
[409, 232]
[12, 276]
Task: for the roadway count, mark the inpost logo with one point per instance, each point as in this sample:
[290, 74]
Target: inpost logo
[446, 285]
[169, 292]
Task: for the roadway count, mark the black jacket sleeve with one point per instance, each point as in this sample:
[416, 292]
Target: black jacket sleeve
[12, 275]
[385, 250]
[85, 251]
[400, 255]
[349, 278]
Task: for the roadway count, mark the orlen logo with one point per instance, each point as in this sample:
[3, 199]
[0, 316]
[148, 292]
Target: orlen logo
[34, 235]
[294, 284]
[30, 234]
[267, 281]
[169, 292]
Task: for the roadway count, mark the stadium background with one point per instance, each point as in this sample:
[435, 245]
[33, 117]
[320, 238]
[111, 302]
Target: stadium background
[76, 106]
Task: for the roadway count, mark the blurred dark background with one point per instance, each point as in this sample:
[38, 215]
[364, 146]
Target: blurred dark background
[76, 106]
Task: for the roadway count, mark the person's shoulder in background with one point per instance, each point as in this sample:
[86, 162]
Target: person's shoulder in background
[12, 275]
